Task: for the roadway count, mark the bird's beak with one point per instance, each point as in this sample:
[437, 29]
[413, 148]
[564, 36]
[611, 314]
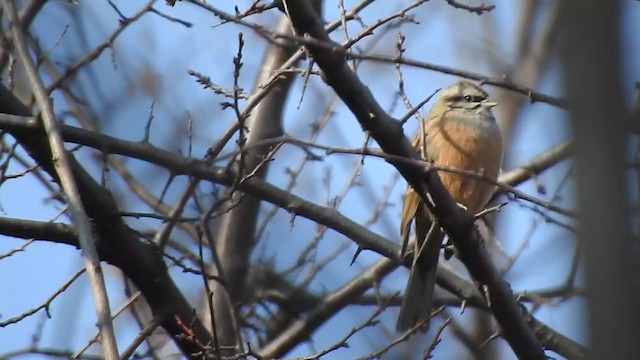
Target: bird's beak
[489, 104]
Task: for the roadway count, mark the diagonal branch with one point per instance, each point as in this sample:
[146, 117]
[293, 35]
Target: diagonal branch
[306, 301]
[282, 198]
[63, 170]
[512, 317]
[116, 243]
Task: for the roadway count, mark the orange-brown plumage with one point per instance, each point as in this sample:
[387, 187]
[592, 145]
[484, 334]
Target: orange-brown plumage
[468, 152]
[460, 132]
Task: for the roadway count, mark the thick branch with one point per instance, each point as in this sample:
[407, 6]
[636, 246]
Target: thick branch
[116, 243]
[236, 229]
[592, 59]
[458, 224]
[329, 217]
[303, 301]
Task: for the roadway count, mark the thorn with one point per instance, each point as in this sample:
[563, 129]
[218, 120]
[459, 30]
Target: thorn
[292, 220]
[355, 256]
[493, 336]
[463, 306]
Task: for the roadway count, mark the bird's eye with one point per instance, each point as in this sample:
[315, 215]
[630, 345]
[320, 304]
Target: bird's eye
[468, 98]
[474, 98]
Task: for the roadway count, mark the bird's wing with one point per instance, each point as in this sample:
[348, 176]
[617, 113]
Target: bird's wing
[409, 210]
[412, 199]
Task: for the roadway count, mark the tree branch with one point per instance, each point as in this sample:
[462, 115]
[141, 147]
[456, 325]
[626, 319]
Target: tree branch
[303, 301]
[512, 317]
[62, 166]
[116, 243]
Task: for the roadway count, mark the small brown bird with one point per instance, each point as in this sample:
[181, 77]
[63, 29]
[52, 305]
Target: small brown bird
[459, 132]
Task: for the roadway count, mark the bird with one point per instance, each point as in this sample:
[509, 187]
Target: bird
[459, 132]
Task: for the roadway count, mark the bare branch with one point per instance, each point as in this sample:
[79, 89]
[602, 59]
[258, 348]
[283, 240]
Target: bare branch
[511, 315]
[64, 171]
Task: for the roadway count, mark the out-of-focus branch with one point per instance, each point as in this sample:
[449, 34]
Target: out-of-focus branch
[478, 10]
[592, 59]
[338, 50]
[300, 329]
[303, 301]
[534, 52]
[296, 300]
[180, 165]
[26, 16]
[203, 171]
[458, 224]
[300, 300]
[325, 216]
[235, 231]
[88, 58]
[534, 167]
[534, 96]
[252, 101]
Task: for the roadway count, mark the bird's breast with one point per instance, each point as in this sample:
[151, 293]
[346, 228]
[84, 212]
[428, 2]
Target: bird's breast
[475, 147]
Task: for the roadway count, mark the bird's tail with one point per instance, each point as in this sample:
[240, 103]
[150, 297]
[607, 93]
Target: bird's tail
[418, 295]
